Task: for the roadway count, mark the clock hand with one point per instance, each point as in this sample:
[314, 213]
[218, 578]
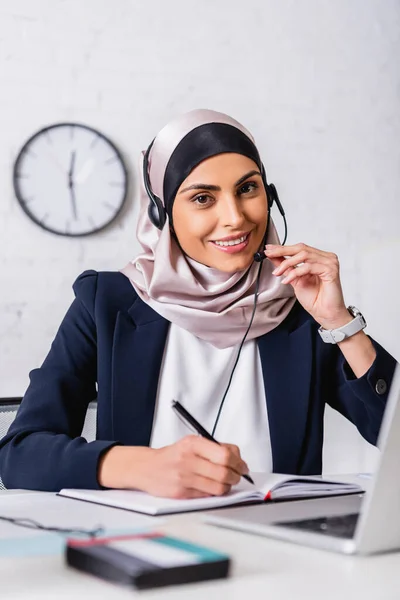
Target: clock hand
[73, 200]
[71, 166]
[71, 185]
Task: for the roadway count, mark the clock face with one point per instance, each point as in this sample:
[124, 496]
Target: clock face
[70, 179]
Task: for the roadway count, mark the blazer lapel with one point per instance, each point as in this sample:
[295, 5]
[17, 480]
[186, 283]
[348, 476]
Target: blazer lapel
[138, 346]
[287, 365]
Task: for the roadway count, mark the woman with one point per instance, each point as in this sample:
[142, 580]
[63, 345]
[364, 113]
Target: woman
[171, 325]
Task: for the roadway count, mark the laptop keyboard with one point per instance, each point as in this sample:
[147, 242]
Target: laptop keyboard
[343, 526]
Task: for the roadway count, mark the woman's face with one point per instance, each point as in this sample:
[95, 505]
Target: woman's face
[220, 212]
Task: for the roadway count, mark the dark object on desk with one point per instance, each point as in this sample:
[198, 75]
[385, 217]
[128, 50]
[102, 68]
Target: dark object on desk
[146, 560]
[190, 420]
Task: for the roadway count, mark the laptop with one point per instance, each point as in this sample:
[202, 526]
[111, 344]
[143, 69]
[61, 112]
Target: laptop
[354, 525]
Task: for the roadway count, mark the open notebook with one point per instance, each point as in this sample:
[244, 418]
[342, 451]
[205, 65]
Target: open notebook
[271, 486]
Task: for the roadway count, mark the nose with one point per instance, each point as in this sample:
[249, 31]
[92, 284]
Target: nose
[230, 212]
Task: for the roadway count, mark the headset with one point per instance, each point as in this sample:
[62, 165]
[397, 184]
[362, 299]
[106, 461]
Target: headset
[158, 217]
[158, 214]
[156, 211]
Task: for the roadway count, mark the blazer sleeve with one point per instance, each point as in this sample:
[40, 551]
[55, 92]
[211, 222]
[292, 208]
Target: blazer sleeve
[362, 400]
[43, 449]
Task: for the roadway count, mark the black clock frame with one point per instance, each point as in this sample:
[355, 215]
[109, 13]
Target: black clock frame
[22, 202]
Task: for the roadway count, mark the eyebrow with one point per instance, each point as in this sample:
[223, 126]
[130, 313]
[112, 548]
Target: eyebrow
[216, 188]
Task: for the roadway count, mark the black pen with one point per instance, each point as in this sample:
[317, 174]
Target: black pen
[186, 416]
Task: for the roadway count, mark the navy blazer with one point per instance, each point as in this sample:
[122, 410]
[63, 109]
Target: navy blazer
[110, 346]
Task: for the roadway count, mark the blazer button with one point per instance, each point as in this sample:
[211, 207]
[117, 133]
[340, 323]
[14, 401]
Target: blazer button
[381, 387]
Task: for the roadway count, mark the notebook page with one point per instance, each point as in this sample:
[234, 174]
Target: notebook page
[152, 505]
[277, 485]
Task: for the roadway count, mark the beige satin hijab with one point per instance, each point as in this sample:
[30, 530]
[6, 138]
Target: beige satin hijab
[213, 305]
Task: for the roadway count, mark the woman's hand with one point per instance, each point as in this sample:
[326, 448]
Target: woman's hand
[191, 468]
[314, 276]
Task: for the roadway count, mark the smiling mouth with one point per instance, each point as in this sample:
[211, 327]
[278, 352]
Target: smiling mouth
[236, 242]
[233, 246]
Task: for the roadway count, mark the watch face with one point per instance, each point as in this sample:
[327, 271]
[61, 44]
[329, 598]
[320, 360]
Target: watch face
[70, 179]
[353, 310]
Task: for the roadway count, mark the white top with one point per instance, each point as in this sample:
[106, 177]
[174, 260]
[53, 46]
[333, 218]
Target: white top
[196, 374]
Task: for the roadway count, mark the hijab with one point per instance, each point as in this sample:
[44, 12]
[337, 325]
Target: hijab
[211, 304]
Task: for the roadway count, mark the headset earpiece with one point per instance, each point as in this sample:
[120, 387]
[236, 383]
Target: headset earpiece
[156, 211]
[272, 194]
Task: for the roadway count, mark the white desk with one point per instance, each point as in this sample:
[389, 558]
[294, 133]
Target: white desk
[262, 568]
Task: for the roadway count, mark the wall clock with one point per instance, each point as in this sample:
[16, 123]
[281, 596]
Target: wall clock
[70, 179]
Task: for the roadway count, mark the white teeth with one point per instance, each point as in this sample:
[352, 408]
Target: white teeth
[232, 242]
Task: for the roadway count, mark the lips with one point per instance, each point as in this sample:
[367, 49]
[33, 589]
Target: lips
[232, 241]
[237, 238]
[232, 244]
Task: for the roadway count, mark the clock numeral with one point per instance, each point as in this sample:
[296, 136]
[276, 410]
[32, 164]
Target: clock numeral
[44, 218]
[108, 205]
[91, 222]
[21, 176]
[48, 138]
[67, 226]
[27, 200]
[72, 131]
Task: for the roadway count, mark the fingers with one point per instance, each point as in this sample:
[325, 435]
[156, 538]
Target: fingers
[217, 473]
[226, 455]
[234, 449]
[195, 466]
[303, 260]
[323, 272]
[298, 259]
[208, 478]
[275, 251]
[208, 487]
[293, 274]
[278, 250]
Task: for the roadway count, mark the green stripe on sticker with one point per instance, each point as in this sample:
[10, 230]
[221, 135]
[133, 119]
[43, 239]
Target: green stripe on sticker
[202, 553]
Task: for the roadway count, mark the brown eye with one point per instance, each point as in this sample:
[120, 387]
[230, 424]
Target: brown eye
[248, 187]
[202, 200]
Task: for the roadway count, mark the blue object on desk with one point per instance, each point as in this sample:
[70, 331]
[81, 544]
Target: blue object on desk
[45, 544]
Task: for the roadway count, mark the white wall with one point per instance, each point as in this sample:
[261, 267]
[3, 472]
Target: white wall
[316, 81]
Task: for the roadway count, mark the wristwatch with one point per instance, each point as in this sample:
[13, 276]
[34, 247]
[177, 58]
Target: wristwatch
[333, 336]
